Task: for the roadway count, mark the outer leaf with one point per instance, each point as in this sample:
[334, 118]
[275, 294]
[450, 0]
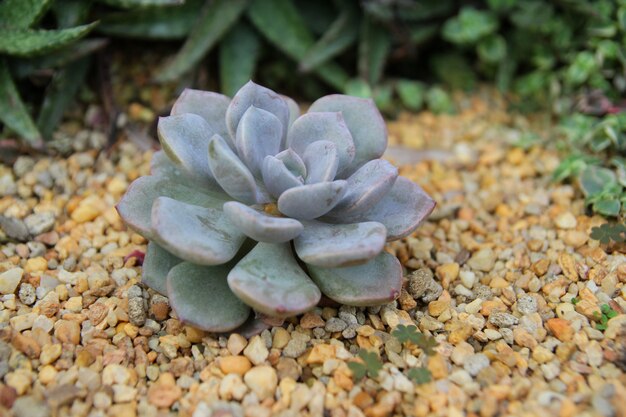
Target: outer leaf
[332, 246]
[365, 123]
[259, 134]
[321, 161]
[327, 126]
[311, 201]
[294, 109]
[156, 265]
[270, 280]
[216, 19]
[260, 226]
[277, 177]
[207, 104]
[280, 23]
[21, 14]
[33, 42]
[60, 94]
[200, 296]
[339, 36]
[373, 50]
[196, 234]
[129, 4]
[239, 52]
[593, 180]
[230, 173]
[377, 282]
[13, 113]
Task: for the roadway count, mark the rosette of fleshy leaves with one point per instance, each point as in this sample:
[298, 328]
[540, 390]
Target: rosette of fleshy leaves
[252, 206]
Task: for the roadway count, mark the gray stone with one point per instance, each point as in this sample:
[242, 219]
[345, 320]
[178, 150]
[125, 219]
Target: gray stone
[500, 319]
[39, 223]
[14, 228]
[27, 294]
[30, 406]
[295, 348]
[137, 313]
[422, 285]
[527, 304]
[335, 325]
[475, 363]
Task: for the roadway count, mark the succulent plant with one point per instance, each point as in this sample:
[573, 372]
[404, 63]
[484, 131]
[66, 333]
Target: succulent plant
[250, 205]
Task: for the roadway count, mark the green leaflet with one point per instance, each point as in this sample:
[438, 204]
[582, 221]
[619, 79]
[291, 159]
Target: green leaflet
[26, 43]
[13, 113]
[374, 47]
[21, 14]
[217, 18]
[280, 23]
[128, 4]
[239, 52]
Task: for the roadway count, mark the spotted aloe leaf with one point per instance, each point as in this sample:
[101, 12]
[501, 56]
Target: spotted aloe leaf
[270, 280]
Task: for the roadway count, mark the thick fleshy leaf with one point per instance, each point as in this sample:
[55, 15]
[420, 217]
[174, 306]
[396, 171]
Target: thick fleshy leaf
[258, 135]
[364, 122]
[196, 234]
[207, 104]
[201, 297]
[270, 280]
[228, 170]
[293, 162]
[135, 207]
[402, 209]
[377, 282]
[335, 245]
[312, 200]
[277, 177]
[321, 161]
[329, 126]
[156, 265]
[294, 109]
[366, 187]
[185, 139]
[261, 226]
[253, 94]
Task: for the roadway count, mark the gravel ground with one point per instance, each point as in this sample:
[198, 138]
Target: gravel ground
[491, 276]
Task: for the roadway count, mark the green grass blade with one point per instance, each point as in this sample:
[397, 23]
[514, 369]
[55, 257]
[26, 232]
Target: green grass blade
[217, 18]
[130, 4]
[239, 52]
[25, 43]
[374, 47]
[21, 14]
[60, 94]
[280, 24]
[13, 113]
[339, 36]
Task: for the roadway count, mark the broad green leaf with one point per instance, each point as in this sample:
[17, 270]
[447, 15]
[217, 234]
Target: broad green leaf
[26, 43]
[358, 88]
[469, 26]
[607, 207]
[492, 49]
[439, 100]
[339, 36]
[60, 94]
[374, 46]
[454, 70]
[156, 265]
[216, 19]
[21, 14]
[594, 180]
[411, 93]
[239, 52]
[280, 23]
[13, 113]
[129, 4]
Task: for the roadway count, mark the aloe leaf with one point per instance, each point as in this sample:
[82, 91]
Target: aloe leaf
[216, 19]
[159, 23]
[378, 281]
[200, 296]
[281, 24]
[374, 48]
[401, 210]
[13, 113]
[22, 14]
[135, 207]
[71, 12]
[156, 265]
[277, 177]
[196, 234]
[131, 4]
[207, 104]
[366, 187]
[270, 280]
[331, 246]
[259, 134]
[310, 201]
[365, 123]
[321, 161]
[185, 139]
[239, 52]
[328, 126]
[60, 94]
[231, 174]
[339, 36]
[26, 43]
[260, 226]
[261, 97]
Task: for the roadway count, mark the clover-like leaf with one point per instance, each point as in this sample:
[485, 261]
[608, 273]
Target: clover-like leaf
[406, 333]
[420, 375]
[370, 365]
[607, 232]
